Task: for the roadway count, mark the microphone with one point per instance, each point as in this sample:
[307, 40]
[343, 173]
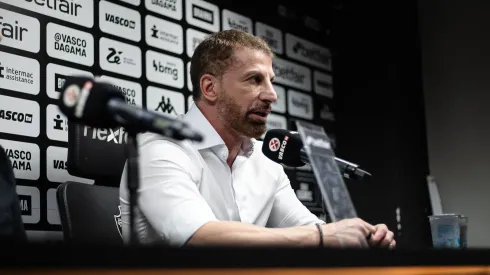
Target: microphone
[286, 147]
[101, 105]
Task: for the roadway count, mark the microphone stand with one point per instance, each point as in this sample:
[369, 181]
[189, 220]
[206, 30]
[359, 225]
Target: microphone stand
[133, 182]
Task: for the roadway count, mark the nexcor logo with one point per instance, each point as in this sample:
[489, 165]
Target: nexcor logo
[323, 84]
[169, 8]
[120, 57]
[19, 31]
[131, 90]
[292, 74]
[202, 14]
[232, 20]
[19, 116]
[120, 21]
[165, 101]
[69, 44]
[271, 35]
[25, 158]
[300, 104]
[79, 12]
[116, 136]
[280, 104]
[56, 166]
[30, 204]
[308, 52]
[194, 38]
[18, 73]
[165, 69]
[164, 34]
[56, 76]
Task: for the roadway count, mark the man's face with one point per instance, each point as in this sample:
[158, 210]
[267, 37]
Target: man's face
[246, 93]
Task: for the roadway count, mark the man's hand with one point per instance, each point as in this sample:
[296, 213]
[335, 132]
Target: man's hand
[348, 233]
[356, 233]
[382, 237]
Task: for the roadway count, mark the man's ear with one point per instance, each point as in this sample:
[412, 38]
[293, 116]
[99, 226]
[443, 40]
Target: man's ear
[209, 87]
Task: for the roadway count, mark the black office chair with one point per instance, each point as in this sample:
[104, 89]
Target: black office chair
[90, 213]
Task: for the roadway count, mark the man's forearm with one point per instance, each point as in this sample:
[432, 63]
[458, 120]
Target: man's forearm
[243, 234]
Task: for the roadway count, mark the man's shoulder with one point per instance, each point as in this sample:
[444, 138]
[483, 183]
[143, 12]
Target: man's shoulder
[161, 145]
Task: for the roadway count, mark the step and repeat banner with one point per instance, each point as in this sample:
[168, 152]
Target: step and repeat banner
[144, 48]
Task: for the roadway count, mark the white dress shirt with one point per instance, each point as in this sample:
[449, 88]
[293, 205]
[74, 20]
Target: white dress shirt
[185, 184]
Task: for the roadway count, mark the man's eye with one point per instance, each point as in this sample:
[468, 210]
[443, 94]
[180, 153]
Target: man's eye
[256, 79]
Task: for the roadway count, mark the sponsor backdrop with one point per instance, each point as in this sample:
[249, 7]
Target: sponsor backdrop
[144, 48]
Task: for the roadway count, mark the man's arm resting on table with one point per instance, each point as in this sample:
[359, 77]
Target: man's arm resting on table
[243, 234]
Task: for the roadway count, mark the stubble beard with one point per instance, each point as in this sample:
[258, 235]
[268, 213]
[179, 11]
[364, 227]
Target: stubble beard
[231, 113]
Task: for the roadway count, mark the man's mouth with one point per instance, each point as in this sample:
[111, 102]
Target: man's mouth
[261, 113]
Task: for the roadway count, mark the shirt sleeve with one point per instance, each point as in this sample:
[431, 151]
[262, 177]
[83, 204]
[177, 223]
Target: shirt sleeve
[168, 194]
[287, 209]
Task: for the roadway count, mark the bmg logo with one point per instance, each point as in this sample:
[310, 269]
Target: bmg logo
[165, 69]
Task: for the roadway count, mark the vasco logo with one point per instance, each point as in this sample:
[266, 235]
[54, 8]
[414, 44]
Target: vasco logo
[314, 54]
[16, 116]
[70, 44]
[119, 136]
[131, 90]
[25, 205]
[202, 14]
[170, 70]
[24, 157]
[120, 21]
[60, 164]
[20, 159]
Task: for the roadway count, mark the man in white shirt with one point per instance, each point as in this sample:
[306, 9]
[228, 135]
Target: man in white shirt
[224, 191]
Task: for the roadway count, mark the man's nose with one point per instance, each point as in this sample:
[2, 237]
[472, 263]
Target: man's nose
[269, 94]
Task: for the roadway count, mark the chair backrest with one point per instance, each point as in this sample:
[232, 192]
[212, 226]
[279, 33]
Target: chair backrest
[89, 213]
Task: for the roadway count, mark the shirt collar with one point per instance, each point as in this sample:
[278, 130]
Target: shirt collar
[200, 123]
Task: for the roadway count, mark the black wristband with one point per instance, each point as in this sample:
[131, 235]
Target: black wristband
[319, 227]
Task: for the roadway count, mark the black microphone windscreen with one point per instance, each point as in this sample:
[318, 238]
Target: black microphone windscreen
[84, 100]
[283, 146]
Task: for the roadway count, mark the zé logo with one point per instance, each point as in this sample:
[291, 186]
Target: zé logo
[113, 56]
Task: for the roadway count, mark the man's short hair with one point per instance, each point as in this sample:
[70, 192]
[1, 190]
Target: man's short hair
[214, 54]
